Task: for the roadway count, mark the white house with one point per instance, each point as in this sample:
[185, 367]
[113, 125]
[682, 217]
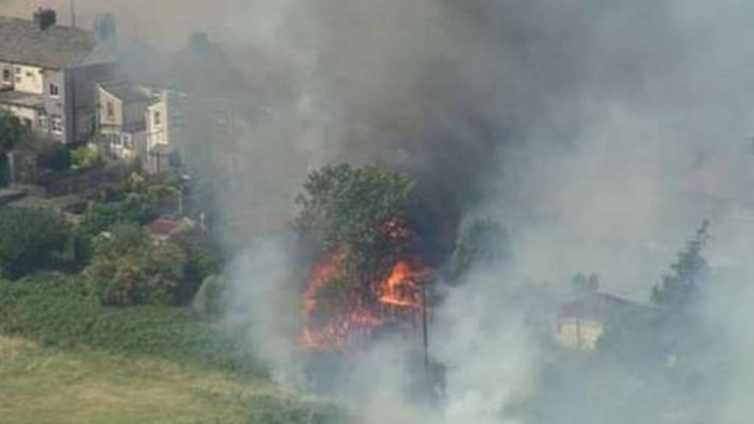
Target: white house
[45, 77]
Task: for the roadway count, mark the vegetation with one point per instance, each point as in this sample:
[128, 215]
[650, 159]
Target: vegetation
[66, 358]
[209, 299]
[31, 240]
[681, 288]
[84, 157]
[54, 157]
[49, 385]
[61, 311]
[128, 269]
[10, 135]
[361, 210]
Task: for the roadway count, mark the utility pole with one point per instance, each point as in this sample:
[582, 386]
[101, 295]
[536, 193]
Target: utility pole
[428, 378]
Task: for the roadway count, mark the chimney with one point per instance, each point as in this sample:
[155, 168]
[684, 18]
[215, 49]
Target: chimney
[44, 18]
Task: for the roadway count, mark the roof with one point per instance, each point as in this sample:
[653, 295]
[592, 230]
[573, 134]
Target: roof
[601, 307]
[116, 50]
[59, 47]
[126, 92]
[163, 227]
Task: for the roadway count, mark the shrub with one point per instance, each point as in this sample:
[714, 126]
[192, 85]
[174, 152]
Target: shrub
[30, 240]
[209, 299]
[55, 158]
[85, 157]
[127, 269]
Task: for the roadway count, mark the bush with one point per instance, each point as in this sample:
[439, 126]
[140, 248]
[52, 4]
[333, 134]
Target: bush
[85, 157]
[128, 269]
[30, 240]
[209, 299]
[54, 158]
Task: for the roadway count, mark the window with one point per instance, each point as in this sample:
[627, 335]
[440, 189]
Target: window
[29, 74]
[56, 123]
[115, 140]
[6, 75]
[157, 118]
[43, 121]
[109, 112]
[54, 90]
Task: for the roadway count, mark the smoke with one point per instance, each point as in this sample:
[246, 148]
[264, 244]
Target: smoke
[600, 134]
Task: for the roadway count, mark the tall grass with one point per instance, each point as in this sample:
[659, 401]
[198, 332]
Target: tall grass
[59, 311]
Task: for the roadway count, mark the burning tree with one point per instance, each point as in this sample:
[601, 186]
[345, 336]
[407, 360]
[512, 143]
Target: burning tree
[357, 220]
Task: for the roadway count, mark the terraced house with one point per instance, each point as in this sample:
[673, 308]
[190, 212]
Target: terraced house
[46, 75]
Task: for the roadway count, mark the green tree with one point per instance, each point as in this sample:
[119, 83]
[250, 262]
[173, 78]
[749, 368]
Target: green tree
[681, 288]
[10, 135]
[129, 269]
[364, 212]
[30, 240]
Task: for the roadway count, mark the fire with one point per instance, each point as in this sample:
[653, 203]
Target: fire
[334, 323]
[400, 288]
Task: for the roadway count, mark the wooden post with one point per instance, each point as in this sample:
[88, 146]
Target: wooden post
[425, 334]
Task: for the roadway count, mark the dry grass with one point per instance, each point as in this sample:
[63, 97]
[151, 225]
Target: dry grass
[41, 385]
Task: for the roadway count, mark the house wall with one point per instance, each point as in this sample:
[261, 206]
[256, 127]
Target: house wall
[158, 133]
[28, 79]
[54, 104]
[109, 113]
[82, 91]
[128, 146]
[578, 333]
[134, 114]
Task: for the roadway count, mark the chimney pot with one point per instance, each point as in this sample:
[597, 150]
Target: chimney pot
[44, 18]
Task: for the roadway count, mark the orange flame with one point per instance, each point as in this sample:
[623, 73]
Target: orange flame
[400, 288]
[397, 296]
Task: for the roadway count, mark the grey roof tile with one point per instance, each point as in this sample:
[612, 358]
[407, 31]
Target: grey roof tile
[59, 47]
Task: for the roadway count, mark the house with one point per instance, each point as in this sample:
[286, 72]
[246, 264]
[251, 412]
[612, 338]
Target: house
[582, 321]
[164, 124]
[46, 77]
[122, 119]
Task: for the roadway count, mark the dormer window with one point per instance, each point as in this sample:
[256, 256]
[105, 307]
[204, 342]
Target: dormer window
[157, 119]
[6, 75]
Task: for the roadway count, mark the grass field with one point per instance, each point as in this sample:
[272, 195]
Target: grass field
[43, 385]
[65, 359]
